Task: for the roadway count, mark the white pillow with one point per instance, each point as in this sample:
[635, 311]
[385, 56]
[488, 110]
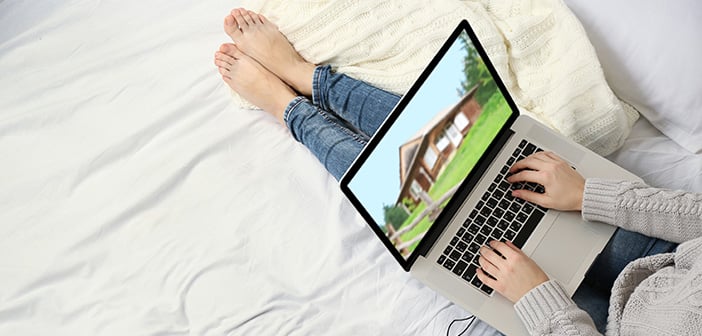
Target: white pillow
[651, 54]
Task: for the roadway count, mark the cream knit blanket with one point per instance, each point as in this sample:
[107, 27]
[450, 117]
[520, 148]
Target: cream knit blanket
[538, 47]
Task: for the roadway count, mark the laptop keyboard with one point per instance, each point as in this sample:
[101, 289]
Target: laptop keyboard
[497, 216]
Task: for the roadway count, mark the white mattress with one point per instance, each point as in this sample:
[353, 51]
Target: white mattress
[137, 199]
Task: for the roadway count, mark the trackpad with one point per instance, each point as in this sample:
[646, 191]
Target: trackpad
[561, 251]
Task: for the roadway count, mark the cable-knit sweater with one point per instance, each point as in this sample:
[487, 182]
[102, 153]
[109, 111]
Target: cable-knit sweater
[539, 48]
[655, 295]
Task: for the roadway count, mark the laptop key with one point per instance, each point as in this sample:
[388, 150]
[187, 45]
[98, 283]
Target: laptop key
[503, 224]
[460, 232]
[479, 239]
[474, 248]
[498, 212]
[486, 289]
[480, 220]
[522, 144]
[473, 214]
[474, 228]
[530, 148]
[496, 233]
[470, 272]
[476, 282]
[522, 217]
[448, 264]
[467, 256]
[441, 260]
[486, 212]
[504, 204]
[448, 250]
[461, 246]
[509, 235]
[528, 208]
[455, 255]
[509, 216]
[486, 230]
[515, 207]
[453, 241]
[515, 226]
[528, 228]
[467, 237]
[504, 185]
[460, 267]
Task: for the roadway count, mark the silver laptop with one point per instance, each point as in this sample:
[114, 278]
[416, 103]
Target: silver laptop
[431, 183]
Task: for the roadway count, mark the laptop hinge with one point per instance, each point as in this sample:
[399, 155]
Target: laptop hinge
[464, 191]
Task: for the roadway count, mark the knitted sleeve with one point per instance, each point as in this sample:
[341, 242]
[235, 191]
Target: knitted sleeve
[548, 310]
[672, 215]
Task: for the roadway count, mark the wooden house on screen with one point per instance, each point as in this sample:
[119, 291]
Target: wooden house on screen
[425, 155]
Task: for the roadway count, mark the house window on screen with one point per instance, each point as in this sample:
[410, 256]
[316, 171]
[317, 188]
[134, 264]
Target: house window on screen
[461, 122]
[430, 156]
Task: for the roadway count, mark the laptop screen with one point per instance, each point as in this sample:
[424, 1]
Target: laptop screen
[415, 168]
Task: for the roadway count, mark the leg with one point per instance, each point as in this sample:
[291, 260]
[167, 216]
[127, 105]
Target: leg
[624, 247]
[324, 134]
[363, 105]
[328, 137]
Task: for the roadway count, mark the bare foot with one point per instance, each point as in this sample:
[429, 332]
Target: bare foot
[252, 81]
[259, 38]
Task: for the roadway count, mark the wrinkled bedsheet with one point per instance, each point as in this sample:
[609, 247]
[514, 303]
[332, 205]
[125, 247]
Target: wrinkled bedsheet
[137, 199]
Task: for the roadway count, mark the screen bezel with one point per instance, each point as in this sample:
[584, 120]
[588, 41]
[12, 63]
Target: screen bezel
[444, 218]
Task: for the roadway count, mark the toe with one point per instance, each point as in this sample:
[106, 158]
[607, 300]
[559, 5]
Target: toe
[231, 27]
[239, 17]
[224, 61]
[247, 16]
[256, 17]
[226, 74]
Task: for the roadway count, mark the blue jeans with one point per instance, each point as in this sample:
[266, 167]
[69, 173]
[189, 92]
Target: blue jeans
[339, 120]
[344, 113]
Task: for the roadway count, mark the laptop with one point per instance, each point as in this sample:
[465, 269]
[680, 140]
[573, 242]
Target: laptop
[431, 183]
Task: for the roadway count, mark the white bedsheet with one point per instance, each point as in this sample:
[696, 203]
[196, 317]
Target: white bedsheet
[136, 199]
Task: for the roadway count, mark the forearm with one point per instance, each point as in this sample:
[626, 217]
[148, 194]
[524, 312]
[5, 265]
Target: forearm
[548, 310]
[666, 214]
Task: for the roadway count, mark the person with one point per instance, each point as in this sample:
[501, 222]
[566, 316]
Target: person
[642, 282]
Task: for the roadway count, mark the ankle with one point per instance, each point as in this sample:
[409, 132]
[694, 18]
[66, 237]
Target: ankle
[302, 77]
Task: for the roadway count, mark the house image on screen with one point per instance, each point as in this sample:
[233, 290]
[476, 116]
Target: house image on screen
[425, 155]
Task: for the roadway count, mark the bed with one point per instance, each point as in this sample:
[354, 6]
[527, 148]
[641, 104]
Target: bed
[137, 198]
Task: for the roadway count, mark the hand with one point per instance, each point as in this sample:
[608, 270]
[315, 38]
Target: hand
[562, 184]
[512, 273]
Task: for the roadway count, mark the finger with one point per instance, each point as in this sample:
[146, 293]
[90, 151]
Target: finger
[530, 162]
[527, 176]
[485, 278]
[489, 255]
[488, 267]
[502, 248]
[531, 196]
